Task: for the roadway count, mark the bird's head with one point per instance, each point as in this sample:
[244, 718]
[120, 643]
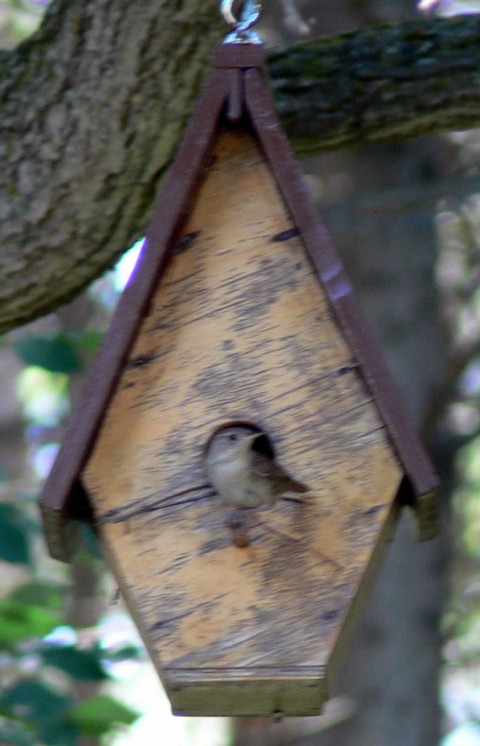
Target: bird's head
[237, 438]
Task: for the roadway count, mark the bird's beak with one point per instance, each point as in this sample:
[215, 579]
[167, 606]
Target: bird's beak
[252, 438]
[247, 442]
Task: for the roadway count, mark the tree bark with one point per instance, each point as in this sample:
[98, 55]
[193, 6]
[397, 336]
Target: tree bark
[94, 104]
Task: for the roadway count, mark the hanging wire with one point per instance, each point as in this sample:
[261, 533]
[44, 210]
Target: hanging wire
[249, 14]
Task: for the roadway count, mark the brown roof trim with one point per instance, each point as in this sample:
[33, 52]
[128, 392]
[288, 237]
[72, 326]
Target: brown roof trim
[405, 440]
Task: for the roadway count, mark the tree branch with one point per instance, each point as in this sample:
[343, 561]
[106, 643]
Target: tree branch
[386, 83]
[93, 106]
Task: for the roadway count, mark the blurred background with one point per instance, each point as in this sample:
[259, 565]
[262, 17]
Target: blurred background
[406, 219]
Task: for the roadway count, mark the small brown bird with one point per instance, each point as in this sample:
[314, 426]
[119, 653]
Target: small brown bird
[240, 463]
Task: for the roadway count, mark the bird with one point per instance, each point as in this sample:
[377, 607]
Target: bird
[241, 465]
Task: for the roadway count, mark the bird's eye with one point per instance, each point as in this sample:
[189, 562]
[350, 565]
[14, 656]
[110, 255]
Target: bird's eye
[232, 436]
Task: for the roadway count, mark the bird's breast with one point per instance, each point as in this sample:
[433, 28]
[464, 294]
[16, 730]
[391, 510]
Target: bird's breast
[234, 481]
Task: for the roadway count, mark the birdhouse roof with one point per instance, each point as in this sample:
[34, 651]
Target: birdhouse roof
[235, 89]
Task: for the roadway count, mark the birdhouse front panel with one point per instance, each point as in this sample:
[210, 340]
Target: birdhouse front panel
[240, 328]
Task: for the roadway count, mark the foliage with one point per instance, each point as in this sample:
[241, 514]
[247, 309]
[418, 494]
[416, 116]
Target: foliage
[56, 354]
[36, 704]
[51, 717]
[35, 697]
[41, 656]
[95, 716]
[15, 534]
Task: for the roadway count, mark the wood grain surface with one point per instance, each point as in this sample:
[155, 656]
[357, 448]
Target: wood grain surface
[240, 328]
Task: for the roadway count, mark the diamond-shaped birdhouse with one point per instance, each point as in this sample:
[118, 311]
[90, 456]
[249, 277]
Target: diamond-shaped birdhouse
[239, 312]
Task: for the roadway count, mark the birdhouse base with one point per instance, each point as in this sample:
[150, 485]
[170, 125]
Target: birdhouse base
[252, 692]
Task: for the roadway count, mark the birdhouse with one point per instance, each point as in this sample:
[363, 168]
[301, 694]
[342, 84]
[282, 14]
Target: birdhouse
[239, 311]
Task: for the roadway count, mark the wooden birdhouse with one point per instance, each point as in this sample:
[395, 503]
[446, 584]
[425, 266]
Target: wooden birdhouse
[239, 310]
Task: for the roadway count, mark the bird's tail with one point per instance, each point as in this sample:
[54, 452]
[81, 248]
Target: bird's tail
[294, 486]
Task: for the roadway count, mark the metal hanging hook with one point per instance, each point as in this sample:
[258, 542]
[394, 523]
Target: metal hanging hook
[250, 12]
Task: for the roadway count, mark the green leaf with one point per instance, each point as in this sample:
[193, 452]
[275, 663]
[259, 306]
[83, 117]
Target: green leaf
[14, 535]
[41, 707]
[34, 702]
[56, 354]
[81, 664]
[87, 341]
[19, 621]
[15, 737]
[61, 731]
[95, 717]
[126, 652]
